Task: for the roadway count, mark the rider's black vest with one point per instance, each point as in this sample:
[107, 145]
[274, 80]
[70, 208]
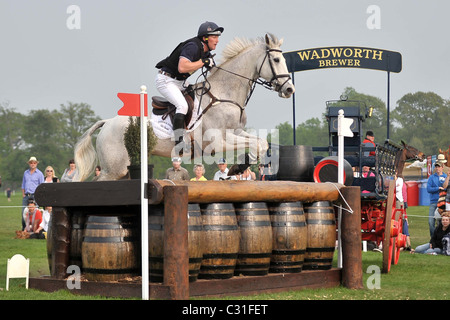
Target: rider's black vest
[170, 64]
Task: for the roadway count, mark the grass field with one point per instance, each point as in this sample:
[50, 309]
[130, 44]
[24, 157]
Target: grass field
[416, 277]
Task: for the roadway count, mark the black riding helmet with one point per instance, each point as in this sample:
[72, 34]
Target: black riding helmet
[209, 28]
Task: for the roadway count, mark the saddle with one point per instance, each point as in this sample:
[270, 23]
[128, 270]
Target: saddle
[162, 107]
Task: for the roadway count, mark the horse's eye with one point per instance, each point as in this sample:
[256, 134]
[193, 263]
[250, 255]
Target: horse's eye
[276, 60]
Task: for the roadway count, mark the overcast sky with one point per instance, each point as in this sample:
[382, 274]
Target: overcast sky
[49, 57]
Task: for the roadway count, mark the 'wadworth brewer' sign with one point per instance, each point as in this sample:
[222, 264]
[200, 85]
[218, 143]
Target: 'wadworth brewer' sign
[343, 57]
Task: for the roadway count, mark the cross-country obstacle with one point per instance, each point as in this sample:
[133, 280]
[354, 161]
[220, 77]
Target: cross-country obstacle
[210, 238]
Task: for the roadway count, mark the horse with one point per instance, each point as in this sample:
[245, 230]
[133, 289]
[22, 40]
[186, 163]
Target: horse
[445, 153]
[407, 153]
[223, 118]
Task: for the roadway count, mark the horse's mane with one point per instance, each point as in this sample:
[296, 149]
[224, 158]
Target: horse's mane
[238, 45]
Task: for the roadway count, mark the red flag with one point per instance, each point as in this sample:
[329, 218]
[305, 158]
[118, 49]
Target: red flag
[131, 104]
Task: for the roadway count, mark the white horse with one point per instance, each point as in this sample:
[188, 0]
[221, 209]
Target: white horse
[231, 84]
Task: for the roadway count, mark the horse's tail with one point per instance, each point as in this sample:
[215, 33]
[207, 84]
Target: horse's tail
[85, 154]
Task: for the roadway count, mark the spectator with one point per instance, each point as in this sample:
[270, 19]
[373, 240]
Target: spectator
[265, 172]
[247, 175]
[70, 173]
[42, 229]
[405, 229]
[434, 185]
[32, 178]
[33, 218]
[50, 175]
[369, 142]
[399, 191]
[199, 171]
[98, 170]
[222, 173]
[435, 245]
[447, 198]
[8, 194]
[177, 172]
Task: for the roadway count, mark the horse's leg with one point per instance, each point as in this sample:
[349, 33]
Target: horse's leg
[231, 142]
[258, 146]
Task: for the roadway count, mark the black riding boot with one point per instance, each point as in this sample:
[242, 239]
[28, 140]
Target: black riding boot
[179, 130]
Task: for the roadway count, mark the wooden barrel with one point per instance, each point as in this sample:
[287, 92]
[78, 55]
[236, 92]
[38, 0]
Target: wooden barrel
[255, 246]
[289, 236]
[110, 250]
[78, 220]
[296, 163]
[221, 241]
[156, 241]
[321, 221]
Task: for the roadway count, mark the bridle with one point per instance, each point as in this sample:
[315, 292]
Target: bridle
[273, 84]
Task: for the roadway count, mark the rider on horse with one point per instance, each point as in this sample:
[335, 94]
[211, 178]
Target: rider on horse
[188, 57]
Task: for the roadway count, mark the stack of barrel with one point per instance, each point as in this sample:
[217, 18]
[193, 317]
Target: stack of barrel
[250, 239]
[224, 240]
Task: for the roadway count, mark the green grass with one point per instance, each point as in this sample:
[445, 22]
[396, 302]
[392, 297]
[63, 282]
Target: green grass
[415, 277]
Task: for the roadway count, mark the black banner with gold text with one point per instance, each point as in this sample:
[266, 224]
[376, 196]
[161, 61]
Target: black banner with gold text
[343, 57]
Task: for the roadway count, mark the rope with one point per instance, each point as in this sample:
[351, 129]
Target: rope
[350, 209]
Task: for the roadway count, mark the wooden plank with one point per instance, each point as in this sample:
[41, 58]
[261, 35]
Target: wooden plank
[274, 282]
[83, 194]
[127, 192]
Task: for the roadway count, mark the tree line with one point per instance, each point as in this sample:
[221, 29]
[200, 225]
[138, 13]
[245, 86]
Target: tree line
[420, 119]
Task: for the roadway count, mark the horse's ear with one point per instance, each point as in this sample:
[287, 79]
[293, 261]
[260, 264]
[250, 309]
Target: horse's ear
[280, 42]
[403, 143]
[267, 39]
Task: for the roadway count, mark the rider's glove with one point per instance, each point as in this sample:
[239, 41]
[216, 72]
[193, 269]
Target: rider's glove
[208, 63]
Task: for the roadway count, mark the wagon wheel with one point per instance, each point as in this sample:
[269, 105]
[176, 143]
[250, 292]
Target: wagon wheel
[388, 242]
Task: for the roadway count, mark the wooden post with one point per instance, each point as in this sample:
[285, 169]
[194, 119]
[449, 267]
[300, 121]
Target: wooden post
[176, 255]
[61, 229]
[351, 239]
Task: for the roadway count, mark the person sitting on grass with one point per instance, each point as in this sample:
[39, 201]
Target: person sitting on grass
[435, 247]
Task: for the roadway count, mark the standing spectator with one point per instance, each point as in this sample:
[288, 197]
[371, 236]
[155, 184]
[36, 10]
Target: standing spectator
[50, 175]
[8, 194]
[399, 191]
[369, 142]
[32, 178]
[434, 185]
[98, 170]
[177, 172]
[70, 172]
[405, 229]
[447, 198]
[222, 173]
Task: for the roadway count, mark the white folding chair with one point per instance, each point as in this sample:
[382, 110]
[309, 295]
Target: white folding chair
[18, 267]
